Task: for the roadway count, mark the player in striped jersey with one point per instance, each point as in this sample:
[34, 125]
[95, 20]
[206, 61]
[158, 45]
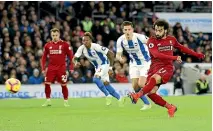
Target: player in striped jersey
[135, 45]
[102, 58]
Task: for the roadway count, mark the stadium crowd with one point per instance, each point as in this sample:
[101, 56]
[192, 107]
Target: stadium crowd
[24, 29]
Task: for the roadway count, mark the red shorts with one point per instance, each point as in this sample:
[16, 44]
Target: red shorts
[166, 73]
[59, 75]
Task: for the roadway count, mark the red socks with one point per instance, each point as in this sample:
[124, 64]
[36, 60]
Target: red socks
[65, 92]
[148, 87]
[159, 100]
[47, 91]
[154, 97]
[168, 106]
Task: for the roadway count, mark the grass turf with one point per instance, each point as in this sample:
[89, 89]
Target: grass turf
[91, 114]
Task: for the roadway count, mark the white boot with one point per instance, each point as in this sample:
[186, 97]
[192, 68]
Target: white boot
[121, 102]
[47, 103]
[66, 104]
[108, 100]
[146, 107]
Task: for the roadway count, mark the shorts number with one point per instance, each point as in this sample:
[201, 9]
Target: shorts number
[64, 78]
[162, 70]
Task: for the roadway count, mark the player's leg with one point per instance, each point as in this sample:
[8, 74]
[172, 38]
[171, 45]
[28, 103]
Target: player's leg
[162, 76]
[47, 91]
[161, 102]
[141, 83]
[98, 82]
[100, 85]
[137, 88]
[175, 85]
[183, 92]
[65, 92]
[115, 94]
[111, 90]
[134, 76]
[152, 81]
[62, 79]
[105, 78]
[49, 78]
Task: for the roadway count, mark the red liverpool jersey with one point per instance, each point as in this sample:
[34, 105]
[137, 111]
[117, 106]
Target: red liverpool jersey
[57, 52]
[161, 51]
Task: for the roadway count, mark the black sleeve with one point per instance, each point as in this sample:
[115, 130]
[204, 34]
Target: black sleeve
[198, 86]
[207, 87]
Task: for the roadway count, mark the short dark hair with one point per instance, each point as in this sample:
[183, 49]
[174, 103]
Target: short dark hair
[89, 35]
[55, 30]
[126, 23]
[162, 22]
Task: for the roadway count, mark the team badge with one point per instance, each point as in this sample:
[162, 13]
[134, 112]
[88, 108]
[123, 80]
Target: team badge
[151, 45]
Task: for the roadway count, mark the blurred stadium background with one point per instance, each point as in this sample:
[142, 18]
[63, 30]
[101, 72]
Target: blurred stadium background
[24, 29]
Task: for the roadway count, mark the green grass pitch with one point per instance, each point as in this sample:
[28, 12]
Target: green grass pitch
[91, 114]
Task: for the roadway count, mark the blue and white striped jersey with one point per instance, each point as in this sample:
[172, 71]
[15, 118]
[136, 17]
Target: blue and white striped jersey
[96, 54]
[136, 48]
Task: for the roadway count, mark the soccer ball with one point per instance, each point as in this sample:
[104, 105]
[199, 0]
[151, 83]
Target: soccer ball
[13, 85]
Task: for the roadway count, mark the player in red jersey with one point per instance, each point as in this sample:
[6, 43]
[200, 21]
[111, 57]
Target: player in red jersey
[57, 50]
[161, 70]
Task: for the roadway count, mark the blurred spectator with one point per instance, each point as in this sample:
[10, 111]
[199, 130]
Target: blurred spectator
[13, 73]
[76, 77]
[24, 79]
[112, 78]
[117, 32]
[121, 77]
[87, 24]
[96, 28]
[21, 70]
[202, 85]
[24, 29]
[178, 82]
[112, 46]
[5, 77]
[99, 39]
[88, 78]
[108, 22]
[36, 78]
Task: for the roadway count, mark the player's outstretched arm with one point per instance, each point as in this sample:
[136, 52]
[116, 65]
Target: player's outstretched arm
[118, 56]
[119, 50]
[187, 50]
[44, 58]
[110, 56]
[75, 59]
[69, 53]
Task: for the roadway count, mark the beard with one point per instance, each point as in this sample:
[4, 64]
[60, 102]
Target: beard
[160, 36]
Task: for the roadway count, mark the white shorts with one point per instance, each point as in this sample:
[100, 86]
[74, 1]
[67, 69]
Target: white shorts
[135, 71]
[102, 72]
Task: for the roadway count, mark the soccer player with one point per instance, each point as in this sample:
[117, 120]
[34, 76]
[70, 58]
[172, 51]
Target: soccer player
[135, 45]
[102, 59]
[56, 50]
[161, 70]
